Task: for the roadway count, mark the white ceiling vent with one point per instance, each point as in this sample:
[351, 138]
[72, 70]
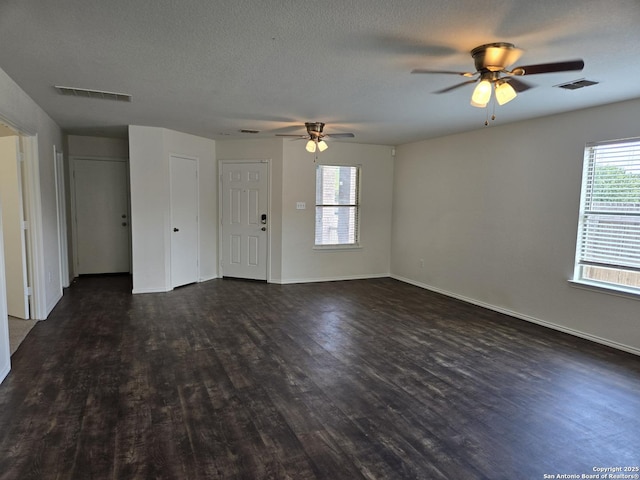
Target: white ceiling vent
[83, 92]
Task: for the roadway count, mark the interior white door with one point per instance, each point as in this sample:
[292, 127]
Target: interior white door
[15, 252]
[184, 221]
[102, 216]
[244, 219]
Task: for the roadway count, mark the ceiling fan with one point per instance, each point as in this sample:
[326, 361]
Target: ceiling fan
[491, 62]
[315, 136]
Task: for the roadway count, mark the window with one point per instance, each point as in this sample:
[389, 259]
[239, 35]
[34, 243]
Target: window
[337, 205]
[608, 247]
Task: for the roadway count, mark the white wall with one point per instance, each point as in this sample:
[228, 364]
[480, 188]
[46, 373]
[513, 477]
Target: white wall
[22, 113]
[149, 152]
[292, 256]
[97, 147]
[300, 261]
[493, 213]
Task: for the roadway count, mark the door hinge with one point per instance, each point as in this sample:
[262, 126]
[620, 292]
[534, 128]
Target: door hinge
[25, 225]
[28, 291]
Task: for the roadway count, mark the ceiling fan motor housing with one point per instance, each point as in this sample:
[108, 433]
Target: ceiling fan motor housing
[314, 128]
[494, 57]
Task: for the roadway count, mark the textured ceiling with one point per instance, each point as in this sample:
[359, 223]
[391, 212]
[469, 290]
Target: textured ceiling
[211, 68]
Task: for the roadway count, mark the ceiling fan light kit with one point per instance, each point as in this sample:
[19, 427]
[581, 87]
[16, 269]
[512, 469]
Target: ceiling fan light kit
[315, 137]
[491, 62]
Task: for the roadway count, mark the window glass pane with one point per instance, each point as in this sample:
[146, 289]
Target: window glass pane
[336, 225]
[336, 205]
[609, 234]
[336, 185]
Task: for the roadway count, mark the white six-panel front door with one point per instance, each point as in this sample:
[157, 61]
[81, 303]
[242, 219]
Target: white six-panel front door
[244, 220]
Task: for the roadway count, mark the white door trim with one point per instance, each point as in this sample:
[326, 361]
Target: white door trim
[35, 241]
[39, 310]
[61, 205]
[5, 348]
[220, 211]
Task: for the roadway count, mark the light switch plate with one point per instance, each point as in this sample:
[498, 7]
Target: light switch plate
[301, 205]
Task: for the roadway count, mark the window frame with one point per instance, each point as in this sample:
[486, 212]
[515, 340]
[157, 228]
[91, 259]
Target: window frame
[357, 205]
[589, 213]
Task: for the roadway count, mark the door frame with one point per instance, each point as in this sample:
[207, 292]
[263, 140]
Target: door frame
[220, 211]
[72, 191]
[19, 278]
[61, 206]
[36, 270]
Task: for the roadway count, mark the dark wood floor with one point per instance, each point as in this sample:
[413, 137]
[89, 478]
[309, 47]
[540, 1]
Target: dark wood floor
[370, 379]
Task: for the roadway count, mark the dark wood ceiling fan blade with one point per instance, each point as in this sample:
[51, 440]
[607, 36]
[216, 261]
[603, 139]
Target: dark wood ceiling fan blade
[340, 135]
[567, 66]
[446, 72]
[518, 85]
[453, 87]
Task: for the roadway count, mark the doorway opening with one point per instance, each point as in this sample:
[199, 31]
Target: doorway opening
[16, 240]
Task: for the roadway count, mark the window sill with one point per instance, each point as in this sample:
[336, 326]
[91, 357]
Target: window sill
[614, 290]
[334, 248]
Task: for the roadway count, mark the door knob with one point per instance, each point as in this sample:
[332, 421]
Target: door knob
[176, 229]
[264, 229]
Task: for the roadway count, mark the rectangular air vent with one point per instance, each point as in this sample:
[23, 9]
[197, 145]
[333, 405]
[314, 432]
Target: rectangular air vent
[576, 84]
[86, 93]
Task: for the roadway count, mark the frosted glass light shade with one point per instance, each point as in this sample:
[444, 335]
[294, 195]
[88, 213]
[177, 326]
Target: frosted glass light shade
[481, 94]
[505, 93]
[311, 146]
[322, 145]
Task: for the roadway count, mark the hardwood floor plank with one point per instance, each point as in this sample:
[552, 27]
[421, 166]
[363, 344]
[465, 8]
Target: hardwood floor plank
[370, 379]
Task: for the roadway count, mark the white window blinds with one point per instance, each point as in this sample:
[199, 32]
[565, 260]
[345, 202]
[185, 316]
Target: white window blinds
[609, 233]
[337, 205]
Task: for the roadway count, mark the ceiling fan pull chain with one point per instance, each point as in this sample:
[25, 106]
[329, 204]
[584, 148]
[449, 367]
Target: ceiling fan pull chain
[493, 112]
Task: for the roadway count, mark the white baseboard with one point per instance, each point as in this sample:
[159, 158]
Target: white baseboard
[149, 290]
[206, 279]
[520, 316]
[288, 281]
[136, 291]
